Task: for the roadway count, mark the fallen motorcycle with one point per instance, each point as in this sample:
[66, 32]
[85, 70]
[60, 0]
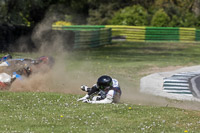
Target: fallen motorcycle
[12, 69]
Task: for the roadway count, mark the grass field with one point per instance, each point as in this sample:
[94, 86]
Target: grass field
[58, 112]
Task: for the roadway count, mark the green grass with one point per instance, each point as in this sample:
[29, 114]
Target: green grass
[60, 113]
[128, 62]
[131, 61]
[161, 54]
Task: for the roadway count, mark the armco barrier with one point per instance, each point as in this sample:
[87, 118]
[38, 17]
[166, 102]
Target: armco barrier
[132, 33]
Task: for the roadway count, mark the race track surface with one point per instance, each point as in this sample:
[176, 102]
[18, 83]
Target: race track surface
[195, 86]
[181, 84]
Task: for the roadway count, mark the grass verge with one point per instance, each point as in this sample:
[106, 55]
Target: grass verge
[128, 62]
[60, 113]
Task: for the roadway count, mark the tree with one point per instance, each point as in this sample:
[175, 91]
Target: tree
[196, 7]
[174, 22]
[128, 12]
[33, 11]
[133, 15]
[189, 20]
[102, 15]
[160, 19]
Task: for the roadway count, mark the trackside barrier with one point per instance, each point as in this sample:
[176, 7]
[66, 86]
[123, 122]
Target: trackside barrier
[88, 36]
[77, 27]
[130, 33]
[148, 34]
[92, 38]
[197, 35]
[187, 34]
[161, 34]
[135, 33]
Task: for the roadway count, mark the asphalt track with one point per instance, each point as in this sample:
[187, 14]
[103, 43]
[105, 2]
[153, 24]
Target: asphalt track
[195, 86]
[181, 84]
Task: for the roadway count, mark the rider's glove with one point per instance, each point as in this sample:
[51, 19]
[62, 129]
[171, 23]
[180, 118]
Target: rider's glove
[84, 98]
[84, 88]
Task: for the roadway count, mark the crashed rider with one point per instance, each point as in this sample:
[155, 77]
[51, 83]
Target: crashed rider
[107, 90]
[10, 69]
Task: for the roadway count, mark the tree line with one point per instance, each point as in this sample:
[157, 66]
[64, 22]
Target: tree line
[162, 13]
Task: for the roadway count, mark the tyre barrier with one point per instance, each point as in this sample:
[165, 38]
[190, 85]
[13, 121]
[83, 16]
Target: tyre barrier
[88, 36]
[155, 34]
[142, 33]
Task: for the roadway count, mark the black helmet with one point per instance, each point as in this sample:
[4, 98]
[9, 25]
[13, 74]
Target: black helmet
[104, 82]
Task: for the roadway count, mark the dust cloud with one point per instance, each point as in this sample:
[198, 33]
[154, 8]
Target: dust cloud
[58, 79]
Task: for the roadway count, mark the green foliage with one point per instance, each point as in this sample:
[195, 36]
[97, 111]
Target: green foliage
[188, 20]
[32, 12]
[160, 19]
[3, 10]
[100, 12]
[174, 22]
[134, 15]
[101, 15]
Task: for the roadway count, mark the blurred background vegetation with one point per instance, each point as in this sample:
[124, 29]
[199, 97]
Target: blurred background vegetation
[162, 13]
